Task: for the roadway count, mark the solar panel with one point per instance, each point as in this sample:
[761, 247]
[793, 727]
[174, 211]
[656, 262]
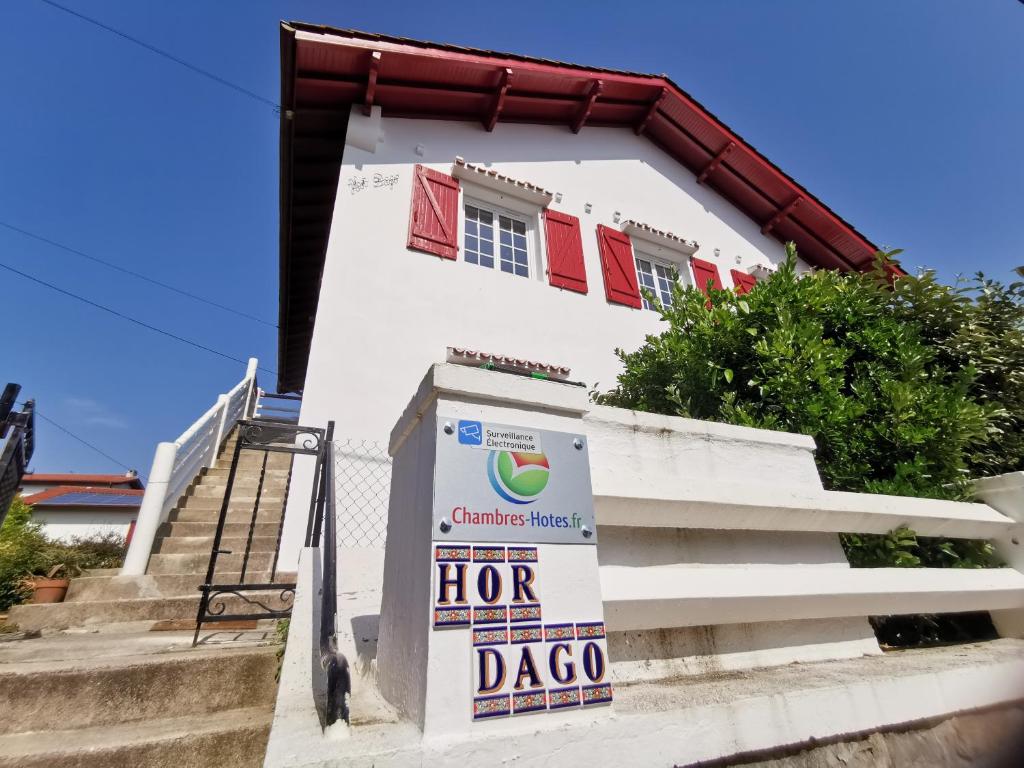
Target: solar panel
[84, 498]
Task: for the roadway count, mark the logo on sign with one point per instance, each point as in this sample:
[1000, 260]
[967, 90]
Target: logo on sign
[470, 432]
[518, 477]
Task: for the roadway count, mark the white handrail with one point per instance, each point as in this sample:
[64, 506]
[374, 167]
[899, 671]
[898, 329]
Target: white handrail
[175, 466]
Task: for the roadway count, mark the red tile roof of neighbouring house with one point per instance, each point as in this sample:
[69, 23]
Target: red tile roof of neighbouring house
[77, 496]
[76, 479]
[324, 71]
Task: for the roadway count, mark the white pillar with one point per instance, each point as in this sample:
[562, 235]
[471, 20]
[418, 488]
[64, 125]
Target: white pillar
[250, 376]
[1005, 493]
[211, 455]
[151, 511]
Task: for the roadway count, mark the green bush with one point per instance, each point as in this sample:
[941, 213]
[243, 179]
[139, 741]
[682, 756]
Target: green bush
[25, 551]
[21, 548]
[908, 390]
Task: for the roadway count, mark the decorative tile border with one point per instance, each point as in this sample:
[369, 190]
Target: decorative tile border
[488, 554]
[559, 632]
[490, 614]
[597, 694]
[451, 617]
[591, 630]
[559, 698]
[517, 613]
[449, 554]
[532, 634]
[490, 636]
[491, 706]
[529, 702]
[522, 554]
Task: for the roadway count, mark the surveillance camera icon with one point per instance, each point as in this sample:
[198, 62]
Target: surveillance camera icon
[470, 433]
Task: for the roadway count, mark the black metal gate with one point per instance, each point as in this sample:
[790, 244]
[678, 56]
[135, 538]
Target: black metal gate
[244, 600]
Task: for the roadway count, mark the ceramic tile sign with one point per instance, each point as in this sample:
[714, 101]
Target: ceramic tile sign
[502, 483]
[523, 660]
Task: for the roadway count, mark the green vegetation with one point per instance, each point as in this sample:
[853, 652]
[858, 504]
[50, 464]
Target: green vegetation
[24, 552]
[909, 389]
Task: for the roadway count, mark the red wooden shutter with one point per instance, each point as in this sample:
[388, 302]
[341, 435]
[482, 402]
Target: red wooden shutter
[617, 264]
[704, 271]
[742, 282]
[565, 251]
[434, 218]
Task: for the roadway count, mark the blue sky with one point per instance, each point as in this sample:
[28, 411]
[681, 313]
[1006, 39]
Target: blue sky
[906, 117]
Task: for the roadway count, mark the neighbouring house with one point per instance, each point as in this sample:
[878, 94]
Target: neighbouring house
[72, 505]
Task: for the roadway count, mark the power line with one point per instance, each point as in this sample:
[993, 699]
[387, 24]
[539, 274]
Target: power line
[115, 313]
[171, 57]
[82, 440]
[138, 275]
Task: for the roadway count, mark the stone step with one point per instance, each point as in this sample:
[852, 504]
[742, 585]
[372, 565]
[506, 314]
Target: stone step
[209, 528]
[236, 502]
[245, 486]
[197, 562]
[266, 515]
[177, 545]
[51, 616]
[115, 587]
[276, 473]
[235, 738]
[73, 682]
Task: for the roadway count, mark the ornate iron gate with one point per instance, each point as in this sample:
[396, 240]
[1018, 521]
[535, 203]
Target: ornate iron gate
[272, 599]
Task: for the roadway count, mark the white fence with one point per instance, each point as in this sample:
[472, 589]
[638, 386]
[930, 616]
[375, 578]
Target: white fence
[176, 465]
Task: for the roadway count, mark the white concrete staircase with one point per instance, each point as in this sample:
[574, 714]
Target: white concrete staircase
[91, 683]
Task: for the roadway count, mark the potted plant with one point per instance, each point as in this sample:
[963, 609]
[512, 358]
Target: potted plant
[50, 587]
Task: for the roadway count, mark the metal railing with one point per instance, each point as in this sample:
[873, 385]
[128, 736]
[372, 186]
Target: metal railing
[277, 407]
[321, 532]
[177, 464]
[17, 443]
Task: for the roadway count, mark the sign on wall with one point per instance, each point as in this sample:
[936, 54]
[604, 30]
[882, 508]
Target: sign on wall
[523, 661]
[501, 483]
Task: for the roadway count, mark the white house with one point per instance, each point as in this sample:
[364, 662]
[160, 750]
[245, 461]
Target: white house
[74, 505]
[435, 197]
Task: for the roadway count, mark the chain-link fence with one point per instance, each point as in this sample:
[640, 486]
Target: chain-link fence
[362, 471]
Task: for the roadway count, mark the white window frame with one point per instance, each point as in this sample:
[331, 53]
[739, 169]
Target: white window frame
[642, 253]
[505, 205]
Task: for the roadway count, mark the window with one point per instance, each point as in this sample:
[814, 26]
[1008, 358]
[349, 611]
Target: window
[657, 277]
[509, 252]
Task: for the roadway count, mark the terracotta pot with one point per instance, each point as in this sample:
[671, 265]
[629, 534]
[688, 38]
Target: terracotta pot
[49, 590]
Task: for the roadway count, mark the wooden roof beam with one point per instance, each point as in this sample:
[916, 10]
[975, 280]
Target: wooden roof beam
[371, 82]
[781, 214]
[504, 83]
[588, 105]
[715, 162]
[651, 112]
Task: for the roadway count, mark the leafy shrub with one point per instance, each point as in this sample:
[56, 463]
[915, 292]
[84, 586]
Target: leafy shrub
[25, 551]
[21, 545]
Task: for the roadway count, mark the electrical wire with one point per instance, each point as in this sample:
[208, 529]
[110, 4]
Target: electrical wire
[123, 316]
[138, 275]
[169, 56]
[83, 441]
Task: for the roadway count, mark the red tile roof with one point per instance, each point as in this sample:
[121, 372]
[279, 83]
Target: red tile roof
[76, 479]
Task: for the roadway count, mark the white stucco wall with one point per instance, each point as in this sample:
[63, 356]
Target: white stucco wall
[64, 525]
[386, 312]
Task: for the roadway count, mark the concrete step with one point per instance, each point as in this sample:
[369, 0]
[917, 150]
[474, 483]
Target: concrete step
[277, 473]
[269, 515]
[115, 587]
[234, 738]
[243, 487]
[235, 544]
[237, 502]
[210, 528]
[197, 562]
[72, 682]
[51, 616]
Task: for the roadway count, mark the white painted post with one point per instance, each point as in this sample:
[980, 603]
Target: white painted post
[150, 511]
[250, 376]
[211, 455]
[1005, 493]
